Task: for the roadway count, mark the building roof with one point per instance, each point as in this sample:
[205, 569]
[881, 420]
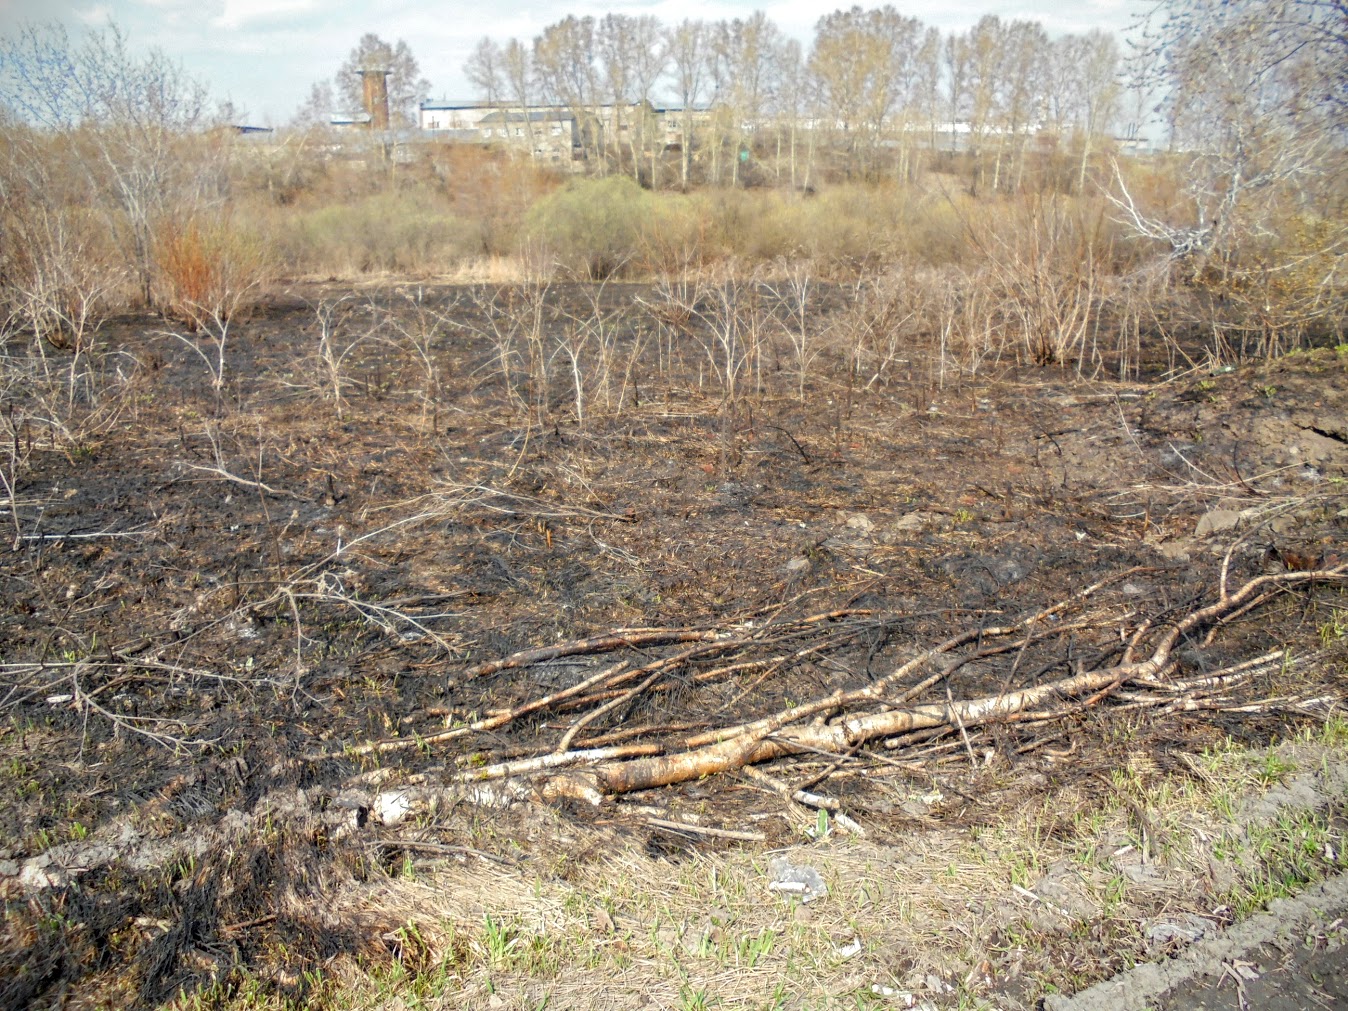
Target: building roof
[665, 110]
[445, 104]
[533, 116]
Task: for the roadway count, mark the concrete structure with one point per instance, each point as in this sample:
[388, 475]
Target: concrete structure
[557, 133]
[552, 133]
[549, 133]
[669, 122]
[445, 115]
[349, 120]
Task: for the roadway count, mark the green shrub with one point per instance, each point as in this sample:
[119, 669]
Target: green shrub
[401, 233]
[594, 228]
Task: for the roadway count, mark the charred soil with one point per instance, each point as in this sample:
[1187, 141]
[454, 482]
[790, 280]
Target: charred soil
[257, 633]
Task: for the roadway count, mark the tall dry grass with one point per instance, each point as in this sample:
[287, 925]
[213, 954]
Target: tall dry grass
[926, 270]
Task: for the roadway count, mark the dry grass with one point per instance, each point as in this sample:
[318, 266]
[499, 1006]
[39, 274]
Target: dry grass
[210, 270]
[1041, 892]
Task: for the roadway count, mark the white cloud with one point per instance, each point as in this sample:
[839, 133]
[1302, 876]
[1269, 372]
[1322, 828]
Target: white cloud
[96, 16]
[242, 13]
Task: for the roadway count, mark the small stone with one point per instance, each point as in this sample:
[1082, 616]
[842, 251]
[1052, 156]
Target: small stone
[1215, 521]
[1176, 551]
[861, 523]
[914, 520]
[392, 807]
[797, 564]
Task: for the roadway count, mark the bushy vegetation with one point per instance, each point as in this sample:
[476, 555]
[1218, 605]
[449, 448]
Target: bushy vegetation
[390, 232]
[130, 191]
[594, 227]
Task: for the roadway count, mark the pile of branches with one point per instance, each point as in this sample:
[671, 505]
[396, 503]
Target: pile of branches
[1110, 653]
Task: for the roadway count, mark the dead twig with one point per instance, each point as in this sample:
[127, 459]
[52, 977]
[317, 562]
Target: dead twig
[712, 833]
[606, 643]
[776, 736]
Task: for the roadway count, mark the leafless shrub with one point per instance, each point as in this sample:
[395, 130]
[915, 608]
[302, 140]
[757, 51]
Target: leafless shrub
[1045, 265]
[416, 327]
[55, 401]
[1134, 313]
[58, 281]
[514, 318]
[67, 285]
[209, 269]
[213, 325]
[118, 134]
[735, 325]
[969, 330]
[670, 310]
[792, 295]
[330, 317]
[885, 318]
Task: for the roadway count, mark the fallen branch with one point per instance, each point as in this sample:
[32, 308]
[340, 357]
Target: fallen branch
[555, 760]
[606, 643]
[714, 833]
[261, 486]
[776, 736]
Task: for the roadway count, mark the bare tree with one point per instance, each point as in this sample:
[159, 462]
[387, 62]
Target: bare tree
[315, 111]
[518, 67]
[1062, 97]
[565, 64]
[632, 55]
[743, 71]
[957, 56]
[986, 49]
[649, 60]
[1025, 58]
[792, 98]
[1257, 115]
[852, 77]
[926, 95]
[485, 70]
[1099, 91]
[125, 123]
[686, 45]
[864, 64]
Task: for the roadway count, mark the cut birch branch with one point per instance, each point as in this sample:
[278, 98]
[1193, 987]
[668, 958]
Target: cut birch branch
[808, 799]
[774, 738]
[555, 760]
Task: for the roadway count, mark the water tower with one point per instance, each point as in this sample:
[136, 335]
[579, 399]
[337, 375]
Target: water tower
[374, 91]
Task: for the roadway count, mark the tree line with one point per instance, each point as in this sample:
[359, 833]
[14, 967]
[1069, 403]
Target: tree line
[875, 90]
[119, 180]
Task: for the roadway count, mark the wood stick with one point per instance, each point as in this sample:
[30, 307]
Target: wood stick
[594, 714]
[606, 643]
[715, 833]
[773, 737]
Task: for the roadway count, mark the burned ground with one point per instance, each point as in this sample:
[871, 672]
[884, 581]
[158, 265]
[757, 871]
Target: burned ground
[242, 615]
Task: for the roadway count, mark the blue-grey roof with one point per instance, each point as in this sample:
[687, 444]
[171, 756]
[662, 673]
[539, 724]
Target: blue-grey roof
[446, 104]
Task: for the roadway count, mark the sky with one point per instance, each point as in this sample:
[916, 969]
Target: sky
[264, 55]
